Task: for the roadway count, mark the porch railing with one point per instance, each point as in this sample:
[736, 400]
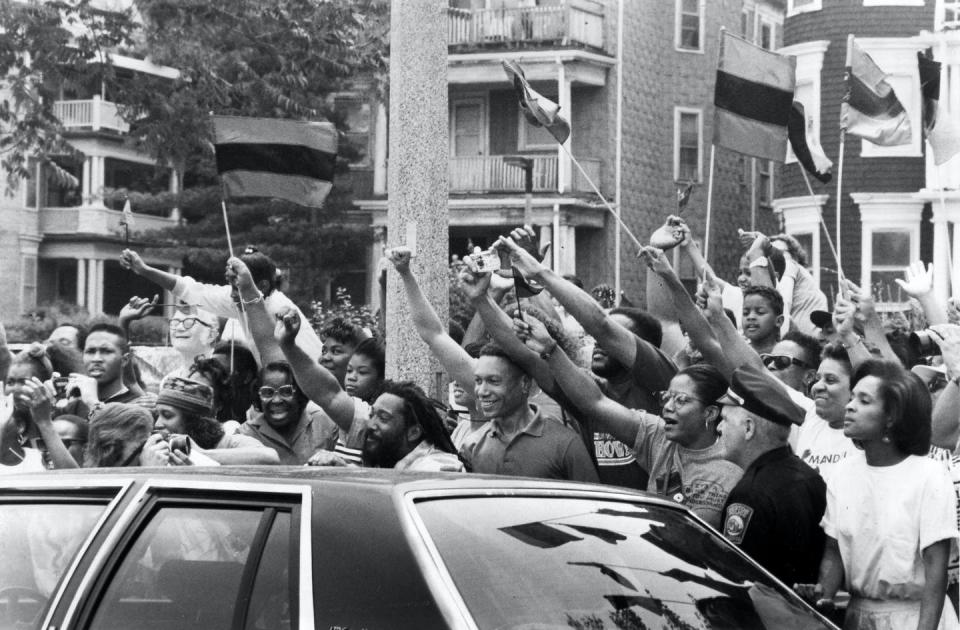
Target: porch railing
[93, 114]
[572, 22]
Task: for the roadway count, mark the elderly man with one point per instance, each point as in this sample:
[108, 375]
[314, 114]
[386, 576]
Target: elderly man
[519, 440]
[773, 514]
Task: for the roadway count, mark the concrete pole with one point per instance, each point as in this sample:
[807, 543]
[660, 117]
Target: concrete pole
[418, 214]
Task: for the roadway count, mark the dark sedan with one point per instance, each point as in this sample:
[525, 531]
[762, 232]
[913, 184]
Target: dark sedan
[280, 548]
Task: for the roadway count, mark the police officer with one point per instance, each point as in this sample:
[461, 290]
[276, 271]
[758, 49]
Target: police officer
[773, 514]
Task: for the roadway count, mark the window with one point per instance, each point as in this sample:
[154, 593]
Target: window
[688, 143]
[598, 564]
[890, 240]
[766, 39]
[891, 255]
[357, 119]
[689, 25]
[802, 6]
[197, 567]
[800, 217]
[764, 182]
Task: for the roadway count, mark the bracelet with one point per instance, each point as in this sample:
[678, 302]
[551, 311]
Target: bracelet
[259, 298]
[850, 346]
[546, 354]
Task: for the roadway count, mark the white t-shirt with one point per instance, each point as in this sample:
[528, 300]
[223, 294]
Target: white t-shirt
[883, 517]
[820, 446]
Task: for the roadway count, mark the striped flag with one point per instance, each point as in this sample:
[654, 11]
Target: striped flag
[942, 133]
[805, 147]
[538, 110]
[871, 108]
[267, 157]
[127, 215]
[753, 97]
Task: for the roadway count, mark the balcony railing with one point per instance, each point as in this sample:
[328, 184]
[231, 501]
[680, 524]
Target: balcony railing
[93, 220]
[492, 174]
[93, 114]
[571, 23]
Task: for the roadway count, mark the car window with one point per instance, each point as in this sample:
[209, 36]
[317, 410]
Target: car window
[38, 541]
[561, 563]
[192, 566]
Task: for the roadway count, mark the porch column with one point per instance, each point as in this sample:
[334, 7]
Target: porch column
[97, 295]
[941, 256]
[567, 249]
[564, 167]
[85, 179]
[373, 264]
[91, 303]
[81, 282]
[380, 151]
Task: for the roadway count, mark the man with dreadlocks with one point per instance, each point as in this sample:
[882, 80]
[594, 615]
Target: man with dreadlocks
[405, 432]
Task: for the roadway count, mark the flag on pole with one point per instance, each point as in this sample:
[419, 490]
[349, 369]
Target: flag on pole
[127, 215]
[266, 157]
[538, 110]
[942, 133]
[805, 146]
[753, 97]
[683, 196]
[871, 108]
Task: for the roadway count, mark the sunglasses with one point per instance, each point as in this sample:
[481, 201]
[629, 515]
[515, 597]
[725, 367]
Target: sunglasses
[286, 392]
[781, 361]
[679, 399]
[186, 323]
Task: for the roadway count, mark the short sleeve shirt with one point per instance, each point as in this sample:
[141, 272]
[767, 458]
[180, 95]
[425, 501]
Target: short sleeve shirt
[542, 448]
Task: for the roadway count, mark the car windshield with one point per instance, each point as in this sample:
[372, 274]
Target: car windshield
[543, 562]
[37, 543]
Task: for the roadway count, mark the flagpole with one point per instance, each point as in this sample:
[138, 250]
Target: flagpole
[602, 198]
[226, 224]
[706, 238]
[951, 272]
[843, 138]
[826, 230]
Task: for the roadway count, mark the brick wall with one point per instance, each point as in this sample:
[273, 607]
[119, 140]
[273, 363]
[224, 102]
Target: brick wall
[834, 22]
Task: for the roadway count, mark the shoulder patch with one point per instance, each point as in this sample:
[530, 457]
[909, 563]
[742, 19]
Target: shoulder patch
[736, 523]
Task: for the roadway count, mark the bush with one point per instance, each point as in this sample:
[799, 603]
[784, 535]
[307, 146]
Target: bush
[344, 308]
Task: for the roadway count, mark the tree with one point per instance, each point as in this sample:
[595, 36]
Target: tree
[268, 58]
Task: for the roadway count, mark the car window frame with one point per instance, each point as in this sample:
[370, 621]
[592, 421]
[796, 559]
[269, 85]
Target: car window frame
[438, 577]
[154, 493]
[51, 487]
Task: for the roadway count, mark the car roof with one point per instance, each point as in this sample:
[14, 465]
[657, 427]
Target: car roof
[375, 479]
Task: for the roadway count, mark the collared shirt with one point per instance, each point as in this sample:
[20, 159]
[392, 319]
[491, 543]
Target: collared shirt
[315, 431]
[218, 300]
[425, 457]
[543, 447]
[126, 395]
[773, 514]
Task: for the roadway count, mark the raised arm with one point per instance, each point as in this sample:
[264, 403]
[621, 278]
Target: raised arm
[918, 284]
[698, 328]
[500, 328]
[873, 331]
[136, 308]
[259, 321]
[579, 387]
[735, 348]
[454, 359]
[844, 314]
[131, 260]
[616, 340]
[39, 398]
[316, 381]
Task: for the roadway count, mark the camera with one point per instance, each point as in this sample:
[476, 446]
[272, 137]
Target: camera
[923, 344]
[484, 262]
[60, 386]
[176, 441]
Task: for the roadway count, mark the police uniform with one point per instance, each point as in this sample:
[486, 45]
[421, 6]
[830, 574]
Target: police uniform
[773, 513]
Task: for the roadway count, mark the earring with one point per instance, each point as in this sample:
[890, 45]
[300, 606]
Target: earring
[885, 439]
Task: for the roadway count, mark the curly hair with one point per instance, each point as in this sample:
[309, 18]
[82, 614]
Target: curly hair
[773, 298]
[203, 430]
[794, 247]
[342, 330]
[420, 409]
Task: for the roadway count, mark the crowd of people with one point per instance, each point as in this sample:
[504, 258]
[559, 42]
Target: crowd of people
[821, 444]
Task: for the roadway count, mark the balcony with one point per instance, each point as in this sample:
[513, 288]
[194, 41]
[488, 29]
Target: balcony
[577, 23]
[96, 220]
[491, 174]
[90, 115]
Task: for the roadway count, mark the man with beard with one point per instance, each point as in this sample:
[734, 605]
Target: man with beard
[288, 422]
[405, 432]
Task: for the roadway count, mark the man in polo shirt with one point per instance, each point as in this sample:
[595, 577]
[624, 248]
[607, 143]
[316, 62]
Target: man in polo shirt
[773, 514]
[288, 422]
[520, 441]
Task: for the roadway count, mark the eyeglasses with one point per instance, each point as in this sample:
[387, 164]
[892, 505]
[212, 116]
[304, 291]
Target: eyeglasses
[286, 392]
[679, 399]
[186, 323]
[781, 361]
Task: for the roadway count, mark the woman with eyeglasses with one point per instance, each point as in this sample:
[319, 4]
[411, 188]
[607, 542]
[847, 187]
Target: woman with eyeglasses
[679, 447]
[891, 517]
[193, 334]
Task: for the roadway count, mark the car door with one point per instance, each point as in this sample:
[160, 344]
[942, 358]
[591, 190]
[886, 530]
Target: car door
[192, 555]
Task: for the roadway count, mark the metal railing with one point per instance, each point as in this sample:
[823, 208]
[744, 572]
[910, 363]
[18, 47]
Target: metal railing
[93, 114]
[95, 220]
[572, 22]
[484, 174]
